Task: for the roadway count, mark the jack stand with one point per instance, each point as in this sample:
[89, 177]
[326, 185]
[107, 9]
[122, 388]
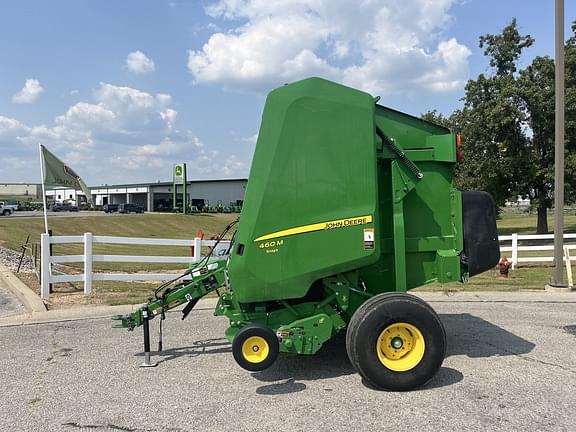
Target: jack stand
[146, 328]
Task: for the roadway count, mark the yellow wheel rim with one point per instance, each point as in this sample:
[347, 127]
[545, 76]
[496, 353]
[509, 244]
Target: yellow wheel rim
[400, 347]
[255, 349]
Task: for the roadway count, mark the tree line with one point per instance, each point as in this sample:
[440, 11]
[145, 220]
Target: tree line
[507, 124]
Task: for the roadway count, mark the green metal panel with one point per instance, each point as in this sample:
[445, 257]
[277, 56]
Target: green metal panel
[419, 216]
[311, 194]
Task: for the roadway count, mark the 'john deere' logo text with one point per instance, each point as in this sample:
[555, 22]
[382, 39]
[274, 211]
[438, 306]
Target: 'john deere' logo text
[70, 171]
[342, 223]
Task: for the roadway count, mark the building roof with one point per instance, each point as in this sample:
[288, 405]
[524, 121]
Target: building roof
[133, 185]
[19, 184]
[162, 183]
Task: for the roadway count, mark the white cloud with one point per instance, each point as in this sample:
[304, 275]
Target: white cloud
[232, 165]
[86, 116]
[10, 126]
[165, 148]
[139, 63]
[251, 139]
[29, 93]
[169, 116]
[376, 45]
[11, 134]
[122, 135]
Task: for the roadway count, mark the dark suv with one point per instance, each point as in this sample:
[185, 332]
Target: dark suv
[130, 208]
[58, 207]
[110, 208]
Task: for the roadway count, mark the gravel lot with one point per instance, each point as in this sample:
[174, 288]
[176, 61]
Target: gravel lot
[511, 366]
[11, 259]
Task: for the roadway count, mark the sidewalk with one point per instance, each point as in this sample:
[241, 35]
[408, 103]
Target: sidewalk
[498, 297]
[29, 299]
[84, 313]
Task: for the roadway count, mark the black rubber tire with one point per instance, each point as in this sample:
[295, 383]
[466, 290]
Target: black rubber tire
[6, 213]
[255, 330]
[372, 317]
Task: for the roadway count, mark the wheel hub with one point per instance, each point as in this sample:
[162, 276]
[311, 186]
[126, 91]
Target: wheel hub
[255, 349]
[400, 347]
[396, 342]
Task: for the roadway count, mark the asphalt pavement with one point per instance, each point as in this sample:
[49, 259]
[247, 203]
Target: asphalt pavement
[511, 365]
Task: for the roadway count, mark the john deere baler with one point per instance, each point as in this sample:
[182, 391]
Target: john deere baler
[349, 204]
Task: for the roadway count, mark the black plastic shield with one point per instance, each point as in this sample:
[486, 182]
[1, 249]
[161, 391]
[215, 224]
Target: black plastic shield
[481, 247]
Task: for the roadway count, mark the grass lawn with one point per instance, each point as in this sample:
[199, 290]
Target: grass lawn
[13, 232]
[526, 223]
[523, 278]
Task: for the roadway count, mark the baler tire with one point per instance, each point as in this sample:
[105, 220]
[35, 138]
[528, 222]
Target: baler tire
[257, 340]
[371, 353]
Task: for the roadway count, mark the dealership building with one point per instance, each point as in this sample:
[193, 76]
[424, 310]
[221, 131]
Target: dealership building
[158, 196]
[32, 190]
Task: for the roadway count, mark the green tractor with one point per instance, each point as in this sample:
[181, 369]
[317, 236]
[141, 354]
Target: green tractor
[192, 209]
[349, 204]
[209, 208]
[235, 207]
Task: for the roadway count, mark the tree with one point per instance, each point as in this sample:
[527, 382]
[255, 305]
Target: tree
[507, 124]
[505, 49]
[536, 90]
[570, 115]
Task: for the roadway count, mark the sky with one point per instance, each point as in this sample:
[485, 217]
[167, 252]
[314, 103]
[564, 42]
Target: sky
[122, 90]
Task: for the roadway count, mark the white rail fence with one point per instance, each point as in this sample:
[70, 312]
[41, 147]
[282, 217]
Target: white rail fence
[537, 243]
[48, 276]
[513, 244]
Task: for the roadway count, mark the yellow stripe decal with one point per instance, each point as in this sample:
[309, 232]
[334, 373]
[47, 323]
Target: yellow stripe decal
[339, 223]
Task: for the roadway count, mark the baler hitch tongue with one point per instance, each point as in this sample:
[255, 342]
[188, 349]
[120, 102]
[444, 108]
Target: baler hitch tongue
[126, 322]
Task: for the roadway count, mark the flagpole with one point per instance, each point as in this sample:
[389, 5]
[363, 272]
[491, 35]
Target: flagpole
[43, 188]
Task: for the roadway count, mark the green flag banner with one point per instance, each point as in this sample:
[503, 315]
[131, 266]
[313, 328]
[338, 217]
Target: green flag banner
[57, 173]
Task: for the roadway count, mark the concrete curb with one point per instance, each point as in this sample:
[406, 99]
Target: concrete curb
[558, 289]
[498, 297]
[31, 301]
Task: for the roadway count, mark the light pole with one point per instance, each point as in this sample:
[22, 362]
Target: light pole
[558, 280]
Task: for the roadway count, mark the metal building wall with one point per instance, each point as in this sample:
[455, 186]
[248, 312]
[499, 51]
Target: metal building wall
[225, 191]
[21, 189]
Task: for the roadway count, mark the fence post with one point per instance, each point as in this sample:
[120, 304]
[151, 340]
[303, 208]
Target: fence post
[197, 249]
[568, 266]
[514, 250]
[45, 270]
[87, 263]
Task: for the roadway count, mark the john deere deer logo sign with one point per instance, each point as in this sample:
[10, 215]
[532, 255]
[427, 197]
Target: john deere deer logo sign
[179, 173]
[179, 178]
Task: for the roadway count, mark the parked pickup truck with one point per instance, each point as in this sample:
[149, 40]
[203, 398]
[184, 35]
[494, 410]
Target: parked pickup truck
[7, 209]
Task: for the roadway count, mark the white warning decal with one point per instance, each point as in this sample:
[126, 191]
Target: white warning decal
[368, 238]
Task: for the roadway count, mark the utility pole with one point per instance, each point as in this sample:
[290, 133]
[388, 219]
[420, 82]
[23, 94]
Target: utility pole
[557, 282]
